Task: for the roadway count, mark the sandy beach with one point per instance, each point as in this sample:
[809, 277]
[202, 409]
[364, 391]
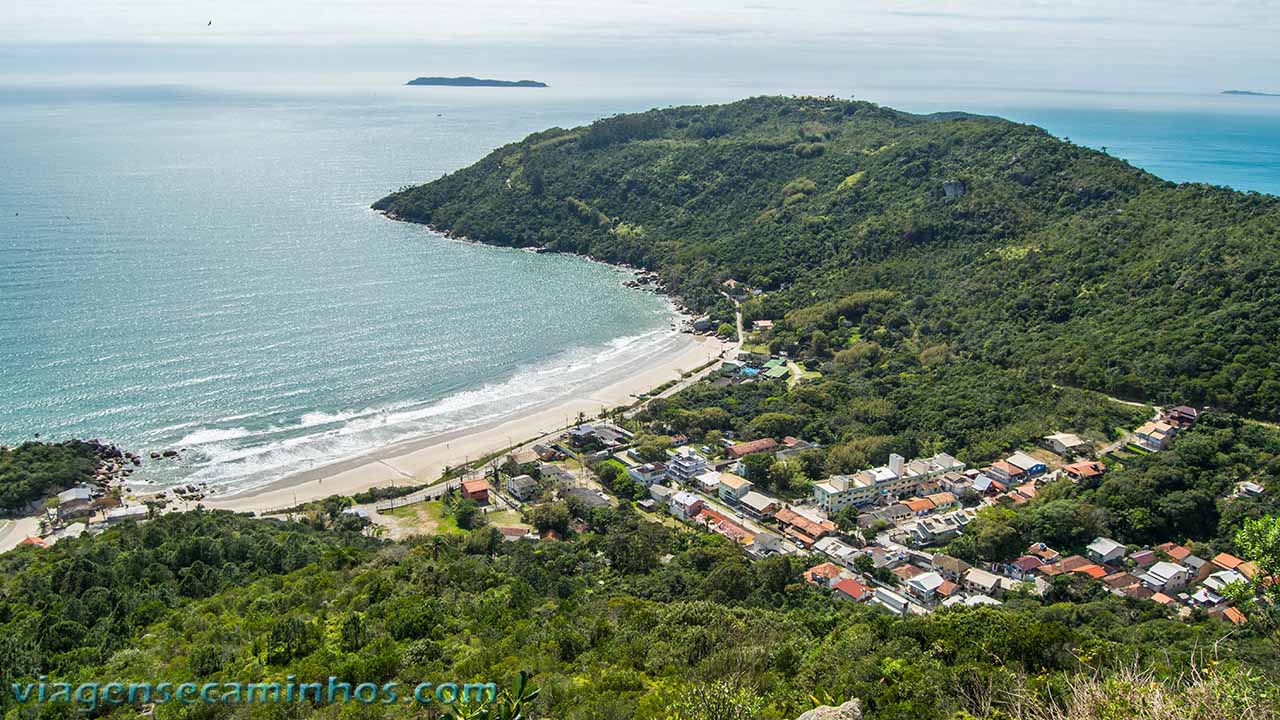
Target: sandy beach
[421, 460]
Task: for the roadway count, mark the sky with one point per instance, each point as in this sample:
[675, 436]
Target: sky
[1167, 46]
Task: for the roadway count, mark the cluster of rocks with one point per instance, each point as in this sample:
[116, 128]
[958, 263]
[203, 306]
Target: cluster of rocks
[645, 280]
[114, 464]
[163, 454]
[191, 492]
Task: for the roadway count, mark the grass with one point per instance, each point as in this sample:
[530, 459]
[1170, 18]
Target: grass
[505, 518]
[427, 516]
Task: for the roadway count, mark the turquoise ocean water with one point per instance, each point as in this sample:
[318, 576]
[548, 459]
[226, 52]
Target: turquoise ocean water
[198, 268]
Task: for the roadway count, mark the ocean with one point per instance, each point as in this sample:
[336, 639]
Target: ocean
[197, 268]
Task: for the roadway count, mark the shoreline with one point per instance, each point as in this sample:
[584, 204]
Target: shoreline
[418, 461]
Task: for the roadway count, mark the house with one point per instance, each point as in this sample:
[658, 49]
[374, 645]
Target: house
[125, 513]
[1166, 577]
[791, 447]
[841, 552]
[1176, 552]
[924, 587]
[522, 487]
[906, 572]
[801, 528]
[850, 589]
[556, 473]
[477, 490]
[1071, 563]
[73, 502]
[707, 483]
[1046, 554]
[686, 464]
[981, 581]
[761, 324]
[524, 457]
[1066, 444]
[1248, 488]
[824, 575]
[1234, 616]
[943, 500]
[648, 473]
[589, 498]
[546, 453]
[918, 506]
[1006, 472]
[1097, 572]
[936, 528]
[1121, 581]
[891, 601]
[515, 534]
[891, 514]
[741, 450]
[1182, 416]
[1143, 558]
[1218, 582]
[1226, 561]
[951, 568]
[1029, 465]
[1085, 470]
[987, 485]
[732, 487]
[685, 505]
[1199, 567]
[758, 505]
[1155, 435]
[661, 494]
[1023, 567]
[1105, 550]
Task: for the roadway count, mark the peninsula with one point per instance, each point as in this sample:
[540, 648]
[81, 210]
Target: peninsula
[474, 82]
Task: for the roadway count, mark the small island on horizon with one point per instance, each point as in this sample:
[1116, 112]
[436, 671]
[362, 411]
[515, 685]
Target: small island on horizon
[1250, 93]
[474, 82]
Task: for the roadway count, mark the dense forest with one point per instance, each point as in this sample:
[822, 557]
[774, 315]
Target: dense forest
[972, 238]
[629, 620]
[33, 471]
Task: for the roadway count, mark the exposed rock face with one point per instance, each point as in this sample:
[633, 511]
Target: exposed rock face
[851, 710]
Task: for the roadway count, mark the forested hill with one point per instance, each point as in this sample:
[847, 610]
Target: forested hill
[988, 237]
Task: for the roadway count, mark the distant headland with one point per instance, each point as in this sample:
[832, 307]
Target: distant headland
[474, 82]
[1250, 92]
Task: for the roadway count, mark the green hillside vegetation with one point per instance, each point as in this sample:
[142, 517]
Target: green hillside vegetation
[35, 470]
[970, 239]
[607, 630]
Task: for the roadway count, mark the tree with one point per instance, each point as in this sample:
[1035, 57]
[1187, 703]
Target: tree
[781, 474]
[466, 512]
[756, 468]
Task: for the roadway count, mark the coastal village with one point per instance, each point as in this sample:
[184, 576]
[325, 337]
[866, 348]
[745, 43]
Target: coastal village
[904, 511]
[872, 536]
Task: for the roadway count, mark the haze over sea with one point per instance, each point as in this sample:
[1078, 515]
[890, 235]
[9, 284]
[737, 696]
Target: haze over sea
[194, 265]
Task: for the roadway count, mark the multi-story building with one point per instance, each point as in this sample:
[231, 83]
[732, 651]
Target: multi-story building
[686, 464]
[896, 479]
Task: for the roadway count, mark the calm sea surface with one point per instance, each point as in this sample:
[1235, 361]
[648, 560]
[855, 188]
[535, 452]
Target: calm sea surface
[199, 269]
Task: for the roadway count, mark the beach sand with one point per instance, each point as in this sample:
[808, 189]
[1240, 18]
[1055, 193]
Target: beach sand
[421, 460]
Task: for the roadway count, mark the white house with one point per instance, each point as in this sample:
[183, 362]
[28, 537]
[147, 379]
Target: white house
[1105, 550]
[1166, 577]
[1065, 444]
[685, 505]
[648, 474]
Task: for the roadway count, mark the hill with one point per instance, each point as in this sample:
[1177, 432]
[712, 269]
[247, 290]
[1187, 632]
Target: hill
[993, 240]
[608, 629]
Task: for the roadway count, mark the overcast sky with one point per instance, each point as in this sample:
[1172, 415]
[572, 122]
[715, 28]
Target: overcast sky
[1063, 44]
